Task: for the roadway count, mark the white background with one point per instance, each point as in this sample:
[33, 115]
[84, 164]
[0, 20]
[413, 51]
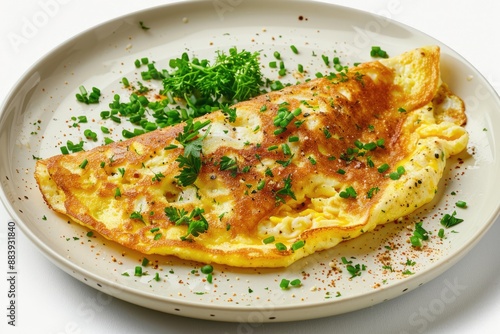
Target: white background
[50, 301]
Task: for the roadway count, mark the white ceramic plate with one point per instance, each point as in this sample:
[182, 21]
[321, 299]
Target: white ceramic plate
[36, 120]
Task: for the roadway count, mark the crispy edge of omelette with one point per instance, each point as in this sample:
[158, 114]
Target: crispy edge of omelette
[431, 141]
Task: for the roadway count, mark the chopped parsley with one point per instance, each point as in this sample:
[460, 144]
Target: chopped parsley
[229, 112]
[137, 215]
[285, 163]
[354, 270]
[157, 177]
[230, 164]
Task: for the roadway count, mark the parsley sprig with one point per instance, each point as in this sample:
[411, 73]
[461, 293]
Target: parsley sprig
[285, 191]
[195, 220]
[354, 270]
[227, 163]
[190, 161]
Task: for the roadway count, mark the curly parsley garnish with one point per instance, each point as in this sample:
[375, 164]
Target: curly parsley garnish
[234, 76]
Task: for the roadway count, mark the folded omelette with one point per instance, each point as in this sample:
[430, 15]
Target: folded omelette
[282, 176]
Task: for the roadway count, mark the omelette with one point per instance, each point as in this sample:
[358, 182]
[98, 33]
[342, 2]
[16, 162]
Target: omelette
[275, 178]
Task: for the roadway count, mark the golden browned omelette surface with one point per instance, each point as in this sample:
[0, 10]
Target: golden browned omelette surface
[297, 171]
